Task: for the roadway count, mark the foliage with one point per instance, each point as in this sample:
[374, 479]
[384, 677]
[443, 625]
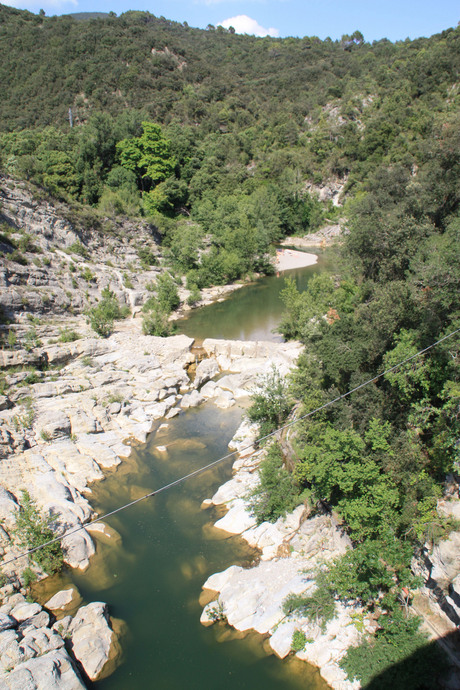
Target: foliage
[167, 293]
[271, 402]
[68, 335]
[102, 316]
[147, 156]
[277, 493]
[299, 640]
[155, 322]
[216, 613]
[398, 656]
[336, 463]
[319, 607]
[33, 529]
[208, 129]
[147, 257]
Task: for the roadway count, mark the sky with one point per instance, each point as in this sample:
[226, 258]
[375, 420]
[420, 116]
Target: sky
[392, 19]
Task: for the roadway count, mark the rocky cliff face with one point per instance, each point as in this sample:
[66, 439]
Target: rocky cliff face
[56, 260]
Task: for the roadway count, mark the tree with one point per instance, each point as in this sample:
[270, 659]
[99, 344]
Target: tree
[148, 156]
[167, 293]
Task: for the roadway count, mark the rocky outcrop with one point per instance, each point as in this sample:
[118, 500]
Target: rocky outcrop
[439, 566]
[32, 652]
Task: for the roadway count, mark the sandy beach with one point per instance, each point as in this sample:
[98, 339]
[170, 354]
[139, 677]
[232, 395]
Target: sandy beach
[287, 259]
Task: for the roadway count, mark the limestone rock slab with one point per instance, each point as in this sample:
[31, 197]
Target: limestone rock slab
[92, 638]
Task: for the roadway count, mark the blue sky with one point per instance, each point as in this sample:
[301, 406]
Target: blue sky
[392, 19]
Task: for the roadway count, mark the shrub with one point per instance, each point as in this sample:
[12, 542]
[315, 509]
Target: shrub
[12, 339]
[31, 378]
[68, 336]
[80, 249]
[299, 641]
[194, 296]
[167, 293]
[400, 660]
[217, 613]
[277, 492]
[147, 257]
[28, 576]
[32, 530]
[102, 316]
[155, 322]
[88, 275]
[319, 607]
[18, 257]
[31, 340]
[270, 402]
[127, 282]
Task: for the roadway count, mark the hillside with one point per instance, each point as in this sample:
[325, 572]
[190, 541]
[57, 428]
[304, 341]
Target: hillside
[192, 154]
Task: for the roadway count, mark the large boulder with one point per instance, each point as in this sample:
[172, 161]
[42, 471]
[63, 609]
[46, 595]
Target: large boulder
[78, 547]
[92, 638]
[205, 371]
[192, 399]
[63, 599]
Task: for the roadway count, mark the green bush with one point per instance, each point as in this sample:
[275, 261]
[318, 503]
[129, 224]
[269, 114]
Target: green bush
[18, 257]
[194, 296]
[33, 529]
[299, 640]
[277, 492]
[68, 335]
[155, 322]
[400, 659]
[147, 257]
[167, 293]
[270, 402]
[102, 316]
[319, 607]
[80, 249]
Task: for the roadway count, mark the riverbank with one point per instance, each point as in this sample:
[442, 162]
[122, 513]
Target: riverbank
[291, 551]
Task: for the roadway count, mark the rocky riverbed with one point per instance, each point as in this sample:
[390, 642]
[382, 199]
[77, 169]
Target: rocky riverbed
[77, 422]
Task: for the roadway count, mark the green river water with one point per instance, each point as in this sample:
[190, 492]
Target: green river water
[152, 577]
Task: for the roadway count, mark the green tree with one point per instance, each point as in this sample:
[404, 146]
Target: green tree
[167, 293]
[148, 156]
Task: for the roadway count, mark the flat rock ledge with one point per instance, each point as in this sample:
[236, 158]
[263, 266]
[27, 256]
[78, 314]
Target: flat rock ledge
[291, 550]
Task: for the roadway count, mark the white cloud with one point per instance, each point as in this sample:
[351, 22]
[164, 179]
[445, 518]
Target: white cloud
[245, 25]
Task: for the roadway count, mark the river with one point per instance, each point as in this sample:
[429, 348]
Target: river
[152, 579]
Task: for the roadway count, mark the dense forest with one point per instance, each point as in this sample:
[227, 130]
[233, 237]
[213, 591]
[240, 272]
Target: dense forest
[221, 140]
